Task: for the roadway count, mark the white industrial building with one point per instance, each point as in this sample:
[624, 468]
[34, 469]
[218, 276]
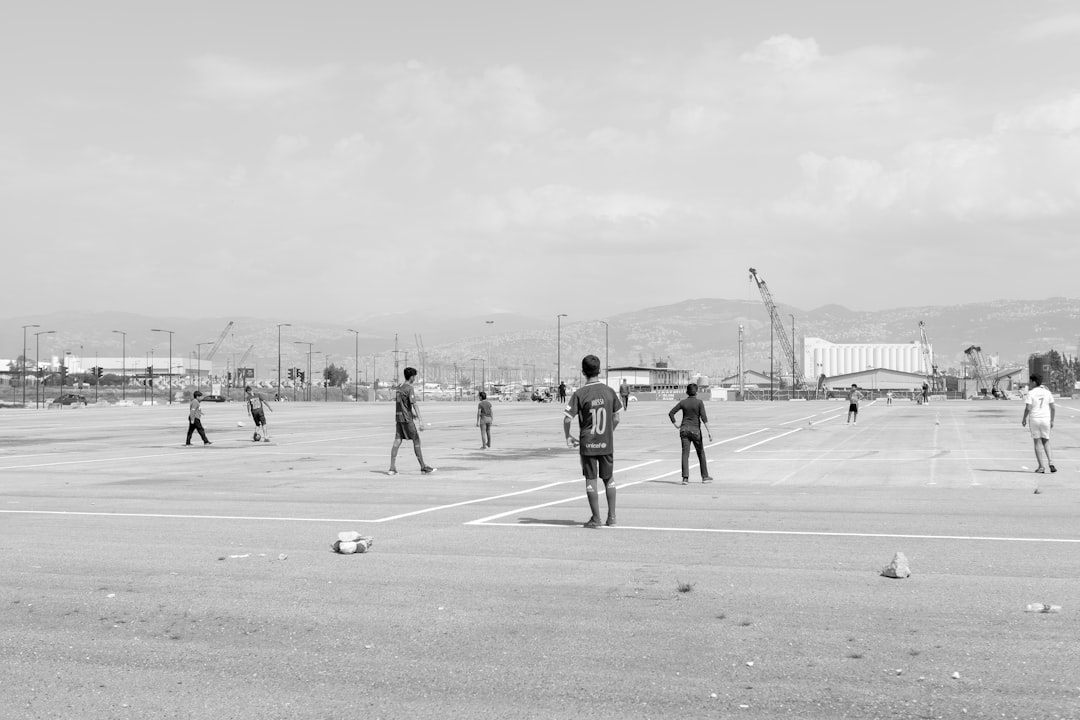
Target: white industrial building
[832, 359]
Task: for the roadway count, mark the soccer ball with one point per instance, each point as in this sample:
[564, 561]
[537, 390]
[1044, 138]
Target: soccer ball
[257, 437]
[239, 424]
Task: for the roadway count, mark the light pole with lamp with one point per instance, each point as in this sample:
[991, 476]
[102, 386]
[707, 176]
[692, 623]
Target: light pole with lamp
[742, 381]
[123, 365]
[280, 325]
[356, 366]
[24, 361]
[307, 376]
[37, 361]
[487, 356]
[374, 379]
[793, 344]
[607, 380]
[198, 372]
[168, 366]
[558, 349]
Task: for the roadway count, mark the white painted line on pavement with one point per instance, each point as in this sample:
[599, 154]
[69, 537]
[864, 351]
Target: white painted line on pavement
[788, 422]
[737, 437]
[762, 442]
[793, 532]
[98, 460]
[183, 517]
[504, 495]
[573, 498]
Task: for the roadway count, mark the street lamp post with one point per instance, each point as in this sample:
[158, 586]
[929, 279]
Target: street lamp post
[24, 361]
[356, 366]
[123, 366]
[198, 371]
[607, 380]
[742, 384]
[37, 360]
[793, 343]
[487, 356]
[169, 365]
[307, 376]
[280, 325]
[558, 349]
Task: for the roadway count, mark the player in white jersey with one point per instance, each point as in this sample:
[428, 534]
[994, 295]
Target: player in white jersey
[1038, 417]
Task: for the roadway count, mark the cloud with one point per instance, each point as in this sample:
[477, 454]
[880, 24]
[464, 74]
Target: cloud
[784, 52]
[1060, 26]
[219, 77]
[1027, 167]
[421, 98]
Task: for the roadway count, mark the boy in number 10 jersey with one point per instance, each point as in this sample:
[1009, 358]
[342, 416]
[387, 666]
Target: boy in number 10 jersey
[596, 407]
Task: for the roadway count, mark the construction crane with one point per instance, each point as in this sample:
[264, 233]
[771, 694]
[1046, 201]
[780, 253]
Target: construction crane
[933, 379]
[980, 368]
[217, 344]
[778, 326]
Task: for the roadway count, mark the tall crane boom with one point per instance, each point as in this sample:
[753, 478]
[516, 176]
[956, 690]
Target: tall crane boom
[221, 339]
[778, 326]
[980, 368]
[933, 378]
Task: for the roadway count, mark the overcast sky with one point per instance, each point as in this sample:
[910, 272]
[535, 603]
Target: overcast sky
[331, 160]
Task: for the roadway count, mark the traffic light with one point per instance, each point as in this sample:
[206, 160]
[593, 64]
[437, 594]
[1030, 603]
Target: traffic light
[228, 376]
[63, 374]
[291, 371]
[100, 371]
[301, 374]
[149, 369]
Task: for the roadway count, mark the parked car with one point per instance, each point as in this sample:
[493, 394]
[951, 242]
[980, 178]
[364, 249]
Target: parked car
[69, 399]
[213, 398]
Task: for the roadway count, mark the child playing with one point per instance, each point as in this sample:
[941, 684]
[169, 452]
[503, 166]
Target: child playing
[484, 418]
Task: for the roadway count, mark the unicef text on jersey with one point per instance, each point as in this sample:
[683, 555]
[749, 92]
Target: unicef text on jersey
[596, 446]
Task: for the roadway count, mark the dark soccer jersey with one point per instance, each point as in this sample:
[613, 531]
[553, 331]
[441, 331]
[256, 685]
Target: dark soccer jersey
[403, 402]
[255, 403]
[693, 413]
[594, 405]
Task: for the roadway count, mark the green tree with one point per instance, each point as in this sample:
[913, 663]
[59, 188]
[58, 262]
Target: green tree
[335, 376]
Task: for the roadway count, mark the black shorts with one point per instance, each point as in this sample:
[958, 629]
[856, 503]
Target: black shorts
[405, 431]
[597, 466]
[258, 418]
[853, 408]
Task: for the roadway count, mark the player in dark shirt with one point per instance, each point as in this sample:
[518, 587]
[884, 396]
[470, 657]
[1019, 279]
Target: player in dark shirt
[596, 407]
[407, 423]
[693, 418]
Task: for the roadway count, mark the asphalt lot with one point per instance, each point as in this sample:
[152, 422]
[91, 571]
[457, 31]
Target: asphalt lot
[144, 579]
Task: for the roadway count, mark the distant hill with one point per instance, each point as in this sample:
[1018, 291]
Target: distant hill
[699, 335]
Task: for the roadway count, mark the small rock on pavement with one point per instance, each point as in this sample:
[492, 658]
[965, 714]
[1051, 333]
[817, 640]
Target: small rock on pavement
[282, 556]
[955, 676]
[898, 568]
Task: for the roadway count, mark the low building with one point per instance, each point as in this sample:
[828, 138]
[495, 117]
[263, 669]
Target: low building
[650, 383]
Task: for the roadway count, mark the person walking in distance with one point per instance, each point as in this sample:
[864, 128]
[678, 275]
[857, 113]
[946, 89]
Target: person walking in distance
[407, 423]
[853, 398]
[484, 417]
[596, 407]
[256, 408]
[1039, 412]
[195, 419]
[562, 392]
[624, 394]
[693, 418]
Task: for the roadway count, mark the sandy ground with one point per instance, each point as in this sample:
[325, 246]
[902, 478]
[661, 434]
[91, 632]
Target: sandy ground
[144, 579]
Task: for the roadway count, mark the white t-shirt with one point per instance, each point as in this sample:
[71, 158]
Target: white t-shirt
[1039, 399]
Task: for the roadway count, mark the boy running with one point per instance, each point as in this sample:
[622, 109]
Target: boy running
[408, 423]
[256, 407]
[484, 417]
[195, 419]
[1039, 409]
[596, 407]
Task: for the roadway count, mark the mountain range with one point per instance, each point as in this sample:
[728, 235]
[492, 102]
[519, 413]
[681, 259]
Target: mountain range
[699, 335]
